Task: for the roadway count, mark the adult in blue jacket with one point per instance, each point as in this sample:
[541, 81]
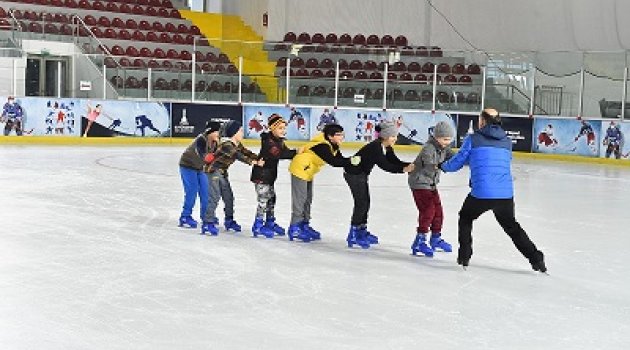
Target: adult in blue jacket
[488, 152]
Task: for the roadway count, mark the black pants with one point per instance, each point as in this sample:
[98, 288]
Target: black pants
[503, 210]
[361, 194]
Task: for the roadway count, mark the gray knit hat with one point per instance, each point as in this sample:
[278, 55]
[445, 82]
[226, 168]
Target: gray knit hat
[442, 129]
[387, 129]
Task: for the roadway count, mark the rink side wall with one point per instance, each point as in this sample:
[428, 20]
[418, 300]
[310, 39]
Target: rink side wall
[63, 122]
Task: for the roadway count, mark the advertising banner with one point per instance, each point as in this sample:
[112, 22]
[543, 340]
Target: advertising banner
[189, 120]
[298, 119]
[567, 136]
[124, 118]
[40, 116]
[517, 128]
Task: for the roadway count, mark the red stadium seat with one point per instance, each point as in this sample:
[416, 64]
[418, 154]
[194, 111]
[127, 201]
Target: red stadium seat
[345, 39]
[304, 38]
[144, 25]
[110, 33]
[146, 52]
[138, 10]
[359, 39]
[111, 7]
[290, 37]
[151, 11]
[172, 54]
[443, 68]
[157, 26]
[165, 38]
[124, 34]
[131, 24]
[373, 40]
[138, 36]
[474, 69]
[132, 51]
[331, 38]
[401, 40]
[428, 67]
[118, 23]
[124, 8]
[318, 38]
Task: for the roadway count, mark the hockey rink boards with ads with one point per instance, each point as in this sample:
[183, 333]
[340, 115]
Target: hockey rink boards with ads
[567, 136]
[189, 119]
[124, 118]
[614, 142]
[298, 119]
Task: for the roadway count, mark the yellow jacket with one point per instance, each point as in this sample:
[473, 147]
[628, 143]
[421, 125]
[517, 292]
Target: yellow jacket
[306, 164]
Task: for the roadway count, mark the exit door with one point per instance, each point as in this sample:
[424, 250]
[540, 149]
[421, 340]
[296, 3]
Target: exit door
[47, 76]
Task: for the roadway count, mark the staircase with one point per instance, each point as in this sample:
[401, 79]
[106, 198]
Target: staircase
[235, 38]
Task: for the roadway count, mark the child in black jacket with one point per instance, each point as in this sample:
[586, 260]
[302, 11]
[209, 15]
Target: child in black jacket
[378, 152]
[272, 149]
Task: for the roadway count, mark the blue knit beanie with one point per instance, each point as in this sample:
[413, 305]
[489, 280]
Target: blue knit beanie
[231, 128]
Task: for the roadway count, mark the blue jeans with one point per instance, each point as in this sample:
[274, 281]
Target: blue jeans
[195, 183]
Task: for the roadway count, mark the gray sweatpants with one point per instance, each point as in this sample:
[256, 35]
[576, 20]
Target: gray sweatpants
[219, 187]
[301, 200]
[266, 195]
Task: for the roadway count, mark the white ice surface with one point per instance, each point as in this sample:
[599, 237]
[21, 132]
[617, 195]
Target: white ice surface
[91, 258]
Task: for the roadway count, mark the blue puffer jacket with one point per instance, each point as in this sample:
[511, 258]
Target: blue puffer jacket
[488, 152]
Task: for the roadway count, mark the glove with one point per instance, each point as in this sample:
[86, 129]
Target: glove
[355, 160]
[209, 158]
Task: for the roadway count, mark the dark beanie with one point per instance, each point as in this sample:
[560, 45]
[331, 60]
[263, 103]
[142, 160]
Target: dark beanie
[275, 120]
[231, 128]
[331, 129]
[212, 126]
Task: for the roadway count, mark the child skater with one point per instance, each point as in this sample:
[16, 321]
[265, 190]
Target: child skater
[191, 164]
[229, 150]
[272, 149]
[323, 149]
[378, 152]
[423, 182]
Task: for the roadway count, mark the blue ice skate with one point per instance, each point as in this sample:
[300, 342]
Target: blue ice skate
[272, 225]
[209, 228]
[187, 221]
[231, 224]
[315, 235]
[436, 242]
[372, 239]
[420, 245]
[259, 228]
[295, 231]
[358, 237]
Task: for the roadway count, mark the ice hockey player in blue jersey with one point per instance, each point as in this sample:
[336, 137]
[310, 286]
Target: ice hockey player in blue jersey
[12, 115]
[613, 140]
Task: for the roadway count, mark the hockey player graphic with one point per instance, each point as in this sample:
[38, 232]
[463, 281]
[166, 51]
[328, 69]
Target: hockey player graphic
[326, 118]
[586, 130]
[256, 124]
[12, 116]
[300, 123]
[547, 137]
[142, 122]
[613, 140]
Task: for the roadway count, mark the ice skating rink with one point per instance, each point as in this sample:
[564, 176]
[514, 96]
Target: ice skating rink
[91, 258]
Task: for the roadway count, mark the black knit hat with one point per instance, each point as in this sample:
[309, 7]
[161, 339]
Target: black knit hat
[231, 128]
[331, 129]
[212, 126]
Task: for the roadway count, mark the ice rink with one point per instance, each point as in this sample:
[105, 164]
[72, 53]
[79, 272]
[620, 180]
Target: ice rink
[91, 258]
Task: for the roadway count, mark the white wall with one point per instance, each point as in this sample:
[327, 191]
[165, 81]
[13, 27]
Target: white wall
[495, 25]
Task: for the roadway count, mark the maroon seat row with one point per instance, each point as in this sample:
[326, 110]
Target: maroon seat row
[332, 38]
[158, 11]
[400, 66]
[154, 3]
[378, 76]
[182, 66]
[176, 85]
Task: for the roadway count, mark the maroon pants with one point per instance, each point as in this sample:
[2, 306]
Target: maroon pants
[430, 215]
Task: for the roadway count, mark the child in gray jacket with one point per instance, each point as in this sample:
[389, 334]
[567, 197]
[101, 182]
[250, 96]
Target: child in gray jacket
[423, 183]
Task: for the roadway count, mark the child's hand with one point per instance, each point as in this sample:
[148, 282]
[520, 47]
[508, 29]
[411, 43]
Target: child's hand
[409, 168]
[259, 162]
[300, 150]
[355, 160]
